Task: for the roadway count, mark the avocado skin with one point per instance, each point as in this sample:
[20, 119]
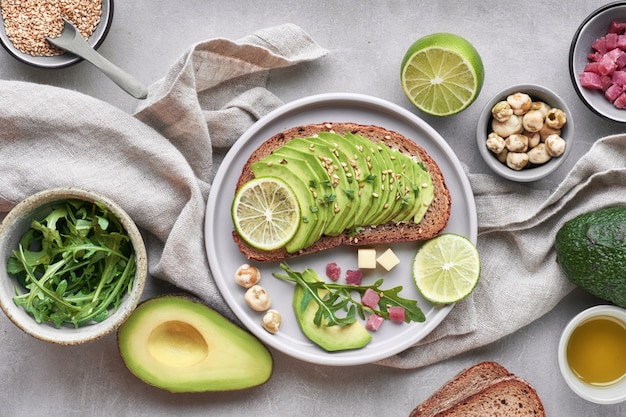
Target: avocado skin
[591, 251]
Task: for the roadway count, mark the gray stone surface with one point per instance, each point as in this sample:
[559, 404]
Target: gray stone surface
[525, 42]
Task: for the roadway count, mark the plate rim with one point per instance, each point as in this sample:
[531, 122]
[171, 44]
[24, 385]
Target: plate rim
[330, 99]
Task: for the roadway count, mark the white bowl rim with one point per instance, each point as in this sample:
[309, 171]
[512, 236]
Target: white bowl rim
[535, 173]
[65, 335]
[599, 395]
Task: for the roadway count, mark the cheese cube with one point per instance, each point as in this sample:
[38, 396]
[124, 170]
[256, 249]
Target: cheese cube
[388, 260]
[367, 258]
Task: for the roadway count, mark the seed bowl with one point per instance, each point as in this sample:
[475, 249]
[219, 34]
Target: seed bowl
[592, 28]
[532, 172]
[599, 394]
[66, 59]
[18, 221]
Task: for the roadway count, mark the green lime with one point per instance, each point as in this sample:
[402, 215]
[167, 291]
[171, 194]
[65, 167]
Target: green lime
[266, 213]
[446, 268]
[442, 74]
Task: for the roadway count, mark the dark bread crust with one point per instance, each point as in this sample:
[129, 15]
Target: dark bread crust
[462, 385]
[507, 396]
[433, 223]
[485, 389]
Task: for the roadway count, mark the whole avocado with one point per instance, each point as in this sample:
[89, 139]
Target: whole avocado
[591, 251]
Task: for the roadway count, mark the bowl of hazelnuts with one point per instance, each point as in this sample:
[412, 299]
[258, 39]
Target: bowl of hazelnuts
[524, 132]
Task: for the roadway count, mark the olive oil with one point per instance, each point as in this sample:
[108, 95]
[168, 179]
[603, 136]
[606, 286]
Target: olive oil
[596, 351]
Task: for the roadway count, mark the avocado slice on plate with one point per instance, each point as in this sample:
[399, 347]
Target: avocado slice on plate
[329, 338]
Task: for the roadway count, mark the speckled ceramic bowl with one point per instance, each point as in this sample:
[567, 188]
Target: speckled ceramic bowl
[66, 59]
[13, 227]
[592, 28]
[611, 394]
[536, 172]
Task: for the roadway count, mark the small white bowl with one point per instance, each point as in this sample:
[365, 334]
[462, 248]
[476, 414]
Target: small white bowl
[593, 27]
[612, 394]
[528, 174]
[67, 59]
[18, 221]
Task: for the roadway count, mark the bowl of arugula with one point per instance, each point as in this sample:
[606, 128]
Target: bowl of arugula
[73, 268]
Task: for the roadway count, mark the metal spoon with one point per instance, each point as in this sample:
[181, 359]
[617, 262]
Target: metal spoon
[72, 41]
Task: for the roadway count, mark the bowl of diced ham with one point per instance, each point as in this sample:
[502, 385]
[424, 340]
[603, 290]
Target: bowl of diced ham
[597, 61]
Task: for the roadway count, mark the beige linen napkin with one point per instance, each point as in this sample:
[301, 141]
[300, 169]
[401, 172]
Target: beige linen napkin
[520, 279]
[159, 165]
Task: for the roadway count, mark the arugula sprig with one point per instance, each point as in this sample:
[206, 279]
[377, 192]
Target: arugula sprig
[333, 298]
[75, 265]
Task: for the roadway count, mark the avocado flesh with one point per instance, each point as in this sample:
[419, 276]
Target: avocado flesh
[379, 169]
[297, 176]
[376, 185]
[181, 345]
[392, 179]
[368, 184]
[329, 197]
[590, 250]
[346, 188]
[329, 338]
[426, 194]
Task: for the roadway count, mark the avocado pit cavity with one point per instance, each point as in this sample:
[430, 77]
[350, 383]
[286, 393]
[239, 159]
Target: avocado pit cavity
[177, 344]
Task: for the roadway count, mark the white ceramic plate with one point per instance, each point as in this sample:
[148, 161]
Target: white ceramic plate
[224, 256]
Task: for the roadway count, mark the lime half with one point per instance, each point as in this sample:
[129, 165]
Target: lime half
[442, 74]
[446, 268]
[266, 213]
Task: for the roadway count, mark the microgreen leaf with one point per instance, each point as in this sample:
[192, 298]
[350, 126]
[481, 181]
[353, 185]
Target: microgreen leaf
[338, 298]
[75, 265]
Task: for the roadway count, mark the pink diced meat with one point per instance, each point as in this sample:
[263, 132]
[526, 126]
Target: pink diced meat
[396, 314]
[354, 277]
[333, 271]
[620, 102]
[599, 45]
[617, 27]
[374, 322]
[606, 69]
[613, 92]
[619, 78]
[606, 64]
[370, 298]
[590, 80]
[611, 41]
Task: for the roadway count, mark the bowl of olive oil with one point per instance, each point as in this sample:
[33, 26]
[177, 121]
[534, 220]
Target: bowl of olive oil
[592, 355]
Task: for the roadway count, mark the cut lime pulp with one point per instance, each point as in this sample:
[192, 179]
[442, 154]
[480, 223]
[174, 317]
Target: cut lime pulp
[442, 74]
[266, 213]
[446, 268]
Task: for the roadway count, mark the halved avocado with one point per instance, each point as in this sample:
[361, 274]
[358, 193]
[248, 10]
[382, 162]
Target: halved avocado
[181, 345]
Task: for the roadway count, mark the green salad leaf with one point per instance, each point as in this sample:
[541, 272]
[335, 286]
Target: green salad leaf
[339, 298]
[74, 265]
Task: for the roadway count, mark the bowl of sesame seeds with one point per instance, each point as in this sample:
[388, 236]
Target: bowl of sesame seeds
[27, 23]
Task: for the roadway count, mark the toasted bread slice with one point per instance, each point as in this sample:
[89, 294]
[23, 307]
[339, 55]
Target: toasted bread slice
[483, 390]
[433, 222]
[508, 396]
[462, 385]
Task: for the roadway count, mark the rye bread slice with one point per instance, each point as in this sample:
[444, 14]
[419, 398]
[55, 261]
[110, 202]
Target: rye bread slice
[509, 396]
[434, 221]
[462, 385]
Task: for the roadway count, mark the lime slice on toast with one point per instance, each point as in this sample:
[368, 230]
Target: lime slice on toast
[266, 213]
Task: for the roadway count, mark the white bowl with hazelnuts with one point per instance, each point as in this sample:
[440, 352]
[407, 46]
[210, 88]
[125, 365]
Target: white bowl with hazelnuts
[524, 132]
